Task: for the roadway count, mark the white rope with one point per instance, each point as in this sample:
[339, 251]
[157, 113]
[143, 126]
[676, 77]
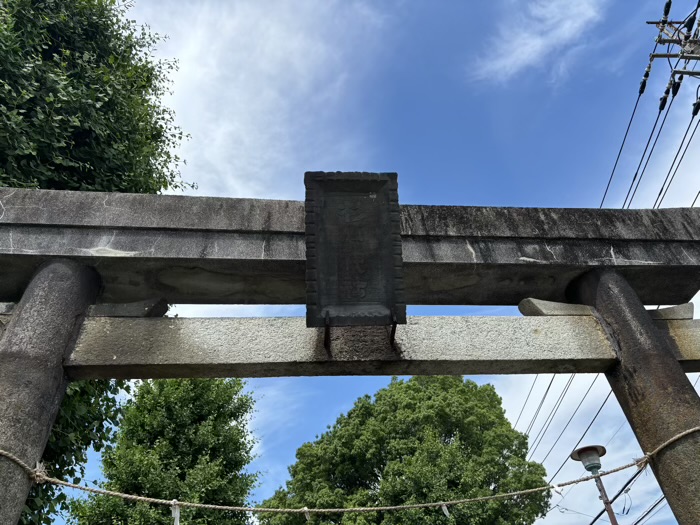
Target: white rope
[39, 476]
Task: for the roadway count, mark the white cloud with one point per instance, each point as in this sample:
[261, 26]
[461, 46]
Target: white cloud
[534, 34]
[265, 88]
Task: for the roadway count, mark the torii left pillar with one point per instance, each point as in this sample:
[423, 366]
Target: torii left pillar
[41, 332]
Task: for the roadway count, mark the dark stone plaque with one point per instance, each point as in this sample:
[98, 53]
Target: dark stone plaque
[353, 250]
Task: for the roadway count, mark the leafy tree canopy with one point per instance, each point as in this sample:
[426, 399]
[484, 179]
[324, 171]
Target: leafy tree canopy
[80, 100]
[422, 440]
[184, 439]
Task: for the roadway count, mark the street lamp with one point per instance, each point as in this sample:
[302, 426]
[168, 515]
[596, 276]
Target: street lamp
[590, 457]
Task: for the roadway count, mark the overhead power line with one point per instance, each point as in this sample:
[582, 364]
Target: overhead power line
[571, 418]
[674, 87]
[666, 183]
[582, 435]
[539, 407]
[662, 106]
[656, 511]
[526, 400]
[642, 88]
[660, 198]
[550, 417]
[624, 139]
[646, 513]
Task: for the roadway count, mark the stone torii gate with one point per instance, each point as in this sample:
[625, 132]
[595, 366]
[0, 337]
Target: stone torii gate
[89, 273]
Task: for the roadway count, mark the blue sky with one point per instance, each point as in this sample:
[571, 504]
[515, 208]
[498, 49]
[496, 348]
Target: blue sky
[500, 103]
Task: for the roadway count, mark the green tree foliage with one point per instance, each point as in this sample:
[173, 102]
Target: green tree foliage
[423, 440]
[181, 439]
[80, 109]
[80, 100]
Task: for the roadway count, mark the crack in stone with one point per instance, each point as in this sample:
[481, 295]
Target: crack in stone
[688, 256]
[550, 251]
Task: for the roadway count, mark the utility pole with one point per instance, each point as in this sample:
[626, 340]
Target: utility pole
[682, 41]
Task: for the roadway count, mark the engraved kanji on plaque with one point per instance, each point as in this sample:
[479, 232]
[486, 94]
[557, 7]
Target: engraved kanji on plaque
[353, 250]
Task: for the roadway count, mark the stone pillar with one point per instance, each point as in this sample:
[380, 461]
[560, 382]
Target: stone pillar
[654, 392]
[41, 332]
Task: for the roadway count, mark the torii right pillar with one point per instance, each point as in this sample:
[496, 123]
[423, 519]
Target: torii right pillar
[650, 385]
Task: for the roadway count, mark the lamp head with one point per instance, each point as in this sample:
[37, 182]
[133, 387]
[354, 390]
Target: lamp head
[589, 456]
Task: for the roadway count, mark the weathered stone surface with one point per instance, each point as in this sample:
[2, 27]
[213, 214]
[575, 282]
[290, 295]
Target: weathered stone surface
[214, 250]
[258, 347]
[40, 333]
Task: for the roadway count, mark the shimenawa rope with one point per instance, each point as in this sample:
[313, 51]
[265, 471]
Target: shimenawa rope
[38, 475]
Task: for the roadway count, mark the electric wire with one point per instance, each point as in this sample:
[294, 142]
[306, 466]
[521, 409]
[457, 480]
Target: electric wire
[615, 433]
[565, 510]
[670, 169]
[526, 400]
[679, 164]
[552, 413]
[624, 139]
[653, 146]
[646, 513]
[651, 135]
[642, 88]
[695, 200]
[655, 512]
[582, 435]
[571, 418]
[537, 412]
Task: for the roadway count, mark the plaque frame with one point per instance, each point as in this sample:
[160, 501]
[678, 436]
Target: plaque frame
[322, 276]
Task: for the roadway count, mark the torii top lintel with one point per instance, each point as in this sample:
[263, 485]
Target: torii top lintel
[212, 250]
